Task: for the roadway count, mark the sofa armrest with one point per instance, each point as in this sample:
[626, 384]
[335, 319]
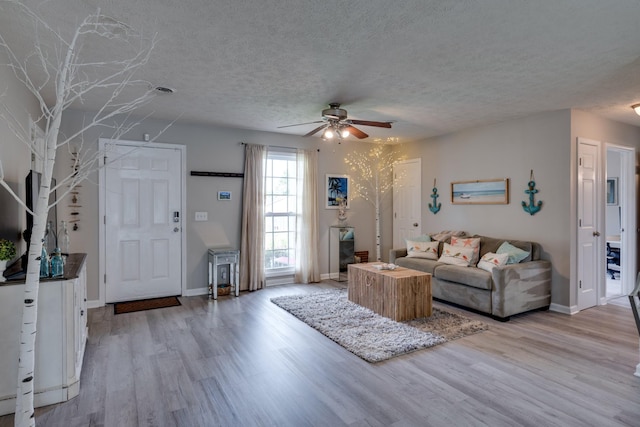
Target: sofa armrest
[396, 253]
[520, 287]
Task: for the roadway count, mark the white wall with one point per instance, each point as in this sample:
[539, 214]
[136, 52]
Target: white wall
[214, 149]
[612, 213]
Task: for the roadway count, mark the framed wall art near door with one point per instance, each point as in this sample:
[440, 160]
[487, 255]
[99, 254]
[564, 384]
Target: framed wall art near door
[480, 192]
[337, 190]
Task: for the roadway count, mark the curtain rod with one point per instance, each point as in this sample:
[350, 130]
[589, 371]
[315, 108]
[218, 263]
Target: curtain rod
[275, 146]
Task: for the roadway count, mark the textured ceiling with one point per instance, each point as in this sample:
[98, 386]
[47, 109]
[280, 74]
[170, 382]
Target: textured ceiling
[431, 67]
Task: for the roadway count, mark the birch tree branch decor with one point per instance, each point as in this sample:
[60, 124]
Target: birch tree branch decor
[60, 65]
[372, 179]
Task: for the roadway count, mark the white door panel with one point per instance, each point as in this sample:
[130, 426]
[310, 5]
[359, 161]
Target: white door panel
[588, 239]
[407, 201]
[143, 244]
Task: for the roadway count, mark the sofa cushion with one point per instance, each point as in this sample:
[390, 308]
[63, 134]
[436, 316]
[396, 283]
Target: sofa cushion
[456, 255]
[490, 244]
[422, 238]
[516, 254]
[417, 249]
[468, 242]
[420, 264]
[490, 260]
[469, 276]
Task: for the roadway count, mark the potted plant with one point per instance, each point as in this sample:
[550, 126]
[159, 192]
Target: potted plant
[7, 252]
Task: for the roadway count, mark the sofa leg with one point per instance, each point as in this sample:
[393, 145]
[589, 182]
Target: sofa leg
[501, 319]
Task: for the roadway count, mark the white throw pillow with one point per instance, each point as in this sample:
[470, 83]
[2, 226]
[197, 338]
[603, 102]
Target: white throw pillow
[456, 255]
[428, 250]
[468, 242]
[490, 260]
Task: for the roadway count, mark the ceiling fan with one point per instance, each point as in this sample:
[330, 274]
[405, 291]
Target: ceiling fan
[335, 123]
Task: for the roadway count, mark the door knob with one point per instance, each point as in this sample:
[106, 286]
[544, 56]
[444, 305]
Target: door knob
[596, 233]
[415, 224]
[176, 229]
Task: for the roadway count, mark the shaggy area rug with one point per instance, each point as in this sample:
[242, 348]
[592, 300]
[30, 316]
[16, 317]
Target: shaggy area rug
[368, 335]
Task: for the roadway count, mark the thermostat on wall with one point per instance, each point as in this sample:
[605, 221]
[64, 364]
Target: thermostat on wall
[224, 195]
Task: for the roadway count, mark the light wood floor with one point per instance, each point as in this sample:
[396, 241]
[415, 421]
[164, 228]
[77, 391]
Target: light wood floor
[245, 362]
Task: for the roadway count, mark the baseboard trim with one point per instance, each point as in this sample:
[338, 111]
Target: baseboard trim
[564, 309]
[196, 292]
[95, 303]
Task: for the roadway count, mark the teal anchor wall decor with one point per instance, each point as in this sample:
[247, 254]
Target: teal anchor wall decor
[434, 195]
[532, 207]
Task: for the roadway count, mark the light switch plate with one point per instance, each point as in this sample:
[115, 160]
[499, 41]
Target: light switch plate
[201, 216]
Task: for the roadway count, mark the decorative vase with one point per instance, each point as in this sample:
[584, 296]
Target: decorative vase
[3, 267]
[342, 211]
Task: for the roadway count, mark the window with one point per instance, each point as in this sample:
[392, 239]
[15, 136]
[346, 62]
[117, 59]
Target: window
[280, 213]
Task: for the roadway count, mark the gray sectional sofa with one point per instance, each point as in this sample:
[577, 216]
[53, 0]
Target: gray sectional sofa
[507, 290]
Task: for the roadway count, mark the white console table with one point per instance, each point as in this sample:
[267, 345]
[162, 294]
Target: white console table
[61, 338]
[223, 256]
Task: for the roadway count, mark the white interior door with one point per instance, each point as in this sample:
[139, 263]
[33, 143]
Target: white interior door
[588, 233]
[143, 222]
[407, 201]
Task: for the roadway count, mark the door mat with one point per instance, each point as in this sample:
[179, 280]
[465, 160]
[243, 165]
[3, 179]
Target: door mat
[145, 304]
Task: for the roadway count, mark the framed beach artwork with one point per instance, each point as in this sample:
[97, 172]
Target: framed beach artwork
[337, 190]
[480, 192]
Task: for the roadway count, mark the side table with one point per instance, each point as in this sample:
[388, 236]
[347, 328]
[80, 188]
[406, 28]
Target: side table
[222, 256]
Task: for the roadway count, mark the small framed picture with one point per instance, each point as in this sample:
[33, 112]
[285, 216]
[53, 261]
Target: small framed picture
[337, 191]
[224, 195]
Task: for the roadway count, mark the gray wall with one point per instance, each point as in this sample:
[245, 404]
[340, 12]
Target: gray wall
[544, 143]
[217, 149]
[15, 156]
[506, 150]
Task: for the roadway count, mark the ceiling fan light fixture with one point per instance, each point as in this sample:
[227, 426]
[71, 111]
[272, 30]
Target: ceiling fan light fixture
[344, 132]
[328, 134]
[636, 108]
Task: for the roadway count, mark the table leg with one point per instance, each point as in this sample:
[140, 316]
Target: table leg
[215, 281]
[210, 281]
[236, 278]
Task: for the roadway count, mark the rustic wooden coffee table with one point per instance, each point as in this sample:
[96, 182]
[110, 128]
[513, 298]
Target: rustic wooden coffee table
[400, 294]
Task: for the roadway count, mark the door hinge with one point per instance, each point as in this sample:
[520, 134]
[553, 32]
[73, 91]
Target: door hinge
[105, 160]
[395, 214]
[104, 220]
[579, 223]
[105, 277]
[579, 161]
[580, 284]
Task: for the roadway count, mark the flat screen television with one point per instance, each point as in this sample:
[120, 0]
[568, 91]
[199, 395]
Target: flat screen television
[18, 269]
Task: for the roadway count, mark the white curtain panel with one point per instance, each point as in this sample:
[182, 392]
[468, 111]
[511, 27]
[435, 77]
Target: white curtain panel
[307, 265]
[252, 238]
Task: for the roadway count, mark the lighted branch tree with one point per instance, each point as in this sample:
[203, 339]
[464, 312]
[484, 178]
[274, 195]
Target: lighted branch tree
[372, 179]
[61, 65]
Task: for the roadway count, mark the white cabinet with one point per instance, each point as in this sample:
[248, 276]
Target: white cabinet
[60, 343]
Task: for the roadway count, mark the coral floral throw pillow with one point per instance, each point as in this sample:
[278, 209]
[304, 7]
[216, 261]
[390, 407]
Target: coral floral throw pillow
[456, 255]
[491, 260]
[468, 242]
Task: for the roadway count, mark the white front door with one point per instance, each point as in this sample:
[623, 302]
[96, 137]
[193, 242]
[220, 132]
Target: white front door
[588, 233]
[143, 222]
[407, 201]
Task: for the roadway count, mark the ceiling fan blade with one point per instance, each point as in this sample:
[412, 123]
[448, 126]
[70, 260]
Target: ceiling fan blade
[369, 123]
[356, 132]
[300, 124]
[319, 128]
